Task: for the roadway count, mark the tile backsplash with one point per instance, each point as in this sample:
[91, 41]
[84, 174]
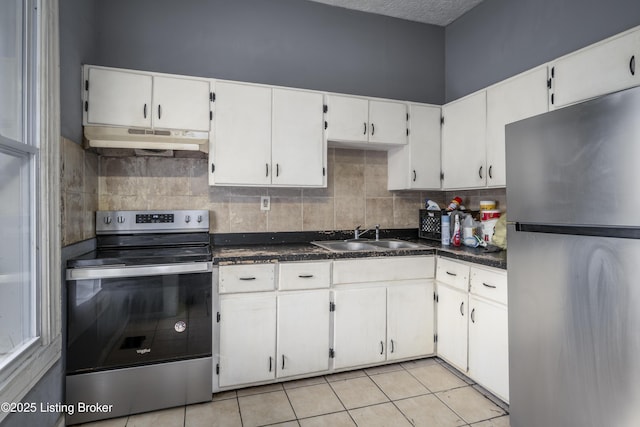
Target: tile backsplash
[356, 194]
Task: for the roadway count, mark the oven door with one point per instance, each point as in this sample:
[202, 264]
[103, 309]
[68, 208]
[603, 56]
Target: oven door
[126, 316]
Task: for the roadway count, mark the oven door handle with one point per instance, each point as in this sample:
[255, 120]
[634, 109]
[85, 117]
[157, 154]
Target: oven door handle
[137, 271]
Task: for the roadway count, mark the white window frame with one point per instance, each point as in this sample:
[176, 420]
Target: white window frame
[19, 375]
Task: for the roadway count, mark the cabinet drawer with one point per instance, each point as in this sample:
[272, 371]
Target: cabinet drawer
[304, 275]
[453, 273]
[246, 278]
[489, 284]
[382, 269]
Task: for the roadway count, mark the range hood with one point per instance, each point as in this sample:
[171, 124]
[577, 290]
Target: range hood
[147, 139]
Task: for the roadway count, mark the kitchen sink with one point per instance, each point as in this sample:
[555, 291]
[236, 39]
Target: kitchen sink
[367, 245]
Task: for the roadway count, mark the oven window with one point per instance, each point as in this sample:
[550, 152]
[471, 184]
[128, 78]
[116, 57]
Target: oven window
[115, 323]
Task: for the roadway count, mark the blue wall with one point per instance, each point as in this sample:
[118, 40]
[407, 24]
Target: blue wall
[501, 38]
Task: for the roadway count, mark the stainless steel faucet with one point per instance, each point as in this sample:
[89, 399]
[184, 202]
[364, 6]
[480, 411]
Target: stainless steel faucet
[357, 233]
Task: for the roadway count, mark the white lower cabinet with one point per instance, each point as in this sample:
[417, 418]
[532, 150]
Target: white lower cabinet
[267, 334]
[410, 320]
[452, 325]
[472, 323]
[247, 338]
[359, 326]
[489, 345]
[303, 332]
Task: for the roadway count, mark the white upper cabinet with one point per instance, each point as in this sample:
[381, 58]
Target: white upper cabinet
[417, 164]
[267, 136]
[181, 104]
[604, 67]
[242, 135]
[464, 142]
[145, 100]
[515, 99]
[297, 145]
[353, 120]
[117, 97]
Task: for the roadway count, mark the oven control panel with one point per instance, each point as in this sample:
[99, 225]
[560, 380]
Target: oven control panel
[175, 221]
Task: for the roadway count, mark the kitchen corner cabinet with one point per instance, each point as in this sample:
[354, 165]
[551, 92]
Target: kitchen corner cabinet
[417, 164]
[267, 136]
[366, 123]
[602, 68]
[383, 310]
[464, 142]
[520, 97]
[115, 97]
[472, 322]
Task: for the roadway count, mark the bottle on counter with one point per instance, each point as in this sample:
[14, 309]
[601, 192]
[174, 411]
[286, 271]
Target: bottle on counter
[445, 229]
[454, 204]
[456, 237]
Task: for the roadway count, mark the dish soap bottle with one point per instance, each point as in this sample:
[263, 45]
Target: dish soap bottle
[455, 239]
[445, 229]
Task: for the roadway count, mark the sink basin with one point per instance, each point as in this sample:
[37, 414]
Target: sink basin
[367, 245]
[397, 244]
[346, 245]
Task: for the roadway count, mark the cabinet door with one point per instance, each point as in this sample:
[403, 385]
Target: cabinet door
[303, 332]
[247, 338]
[596, 70]
[297, 141]
[242, 135]
[181, 104]
[452, 309]
[410, 318]
[387, 122]
[417, 164]
[516, 99]
[463, 142]
[489, 346]
[118, 98]
[359, 322]
[347, 119]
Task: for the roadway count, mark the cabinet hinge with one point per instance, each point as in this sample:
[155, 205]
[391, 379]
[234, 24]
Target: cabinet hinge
[332, 306]
[210, 115]
[434, 296]
[441, 120]
[217, 369]
[212, 96]
[325, 108]
[549, 83]
[213, 168]
[86, 105]
[441, 176]
[86, 85]
[407, 116]
[325, 124]
[218, 317]
[435, 338]
[332, 354]
[407, 131]
[324, 171]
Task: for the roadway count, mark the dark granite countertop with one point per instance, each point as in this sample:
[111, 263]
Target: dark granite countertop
[259, 253]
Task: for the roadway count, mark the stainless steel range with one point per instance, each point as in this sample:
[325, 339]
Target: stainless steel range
[139, 315]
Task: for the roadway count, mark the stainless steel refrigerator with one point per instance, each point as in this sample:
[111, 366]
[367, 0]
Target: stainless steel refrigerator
[573, 262]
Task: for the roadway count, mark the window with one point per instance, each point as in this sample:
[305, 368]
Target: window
[18, 158]
[30, 331]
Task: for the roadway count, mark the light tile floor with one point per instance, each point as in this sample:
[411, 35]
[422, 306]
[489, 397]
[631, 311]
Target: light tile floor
[425, 392]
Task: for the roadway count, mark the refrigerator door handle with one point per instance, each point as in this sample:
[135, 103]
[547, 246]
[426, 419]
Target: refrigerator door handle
[581, 230]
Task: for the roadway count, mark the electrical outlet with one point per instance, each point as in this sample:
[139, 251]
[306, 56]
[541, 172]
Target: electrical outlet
[265, 203]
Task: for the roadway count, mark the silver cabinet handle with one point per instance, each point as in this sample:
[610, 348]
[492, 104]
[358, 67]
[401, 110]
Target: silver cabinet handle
[488, 286]
[159, 111]
[451, 274]
[247, 278]
[365, 128]
[381, 347]
[283, 361]
[462, 308]
[392, 347]
[480, 172]
[270, 364]
[305, 276]
[473, 318]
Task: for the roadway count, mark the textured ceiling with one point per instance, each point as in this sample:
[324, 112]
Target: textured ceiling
[437, 12]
